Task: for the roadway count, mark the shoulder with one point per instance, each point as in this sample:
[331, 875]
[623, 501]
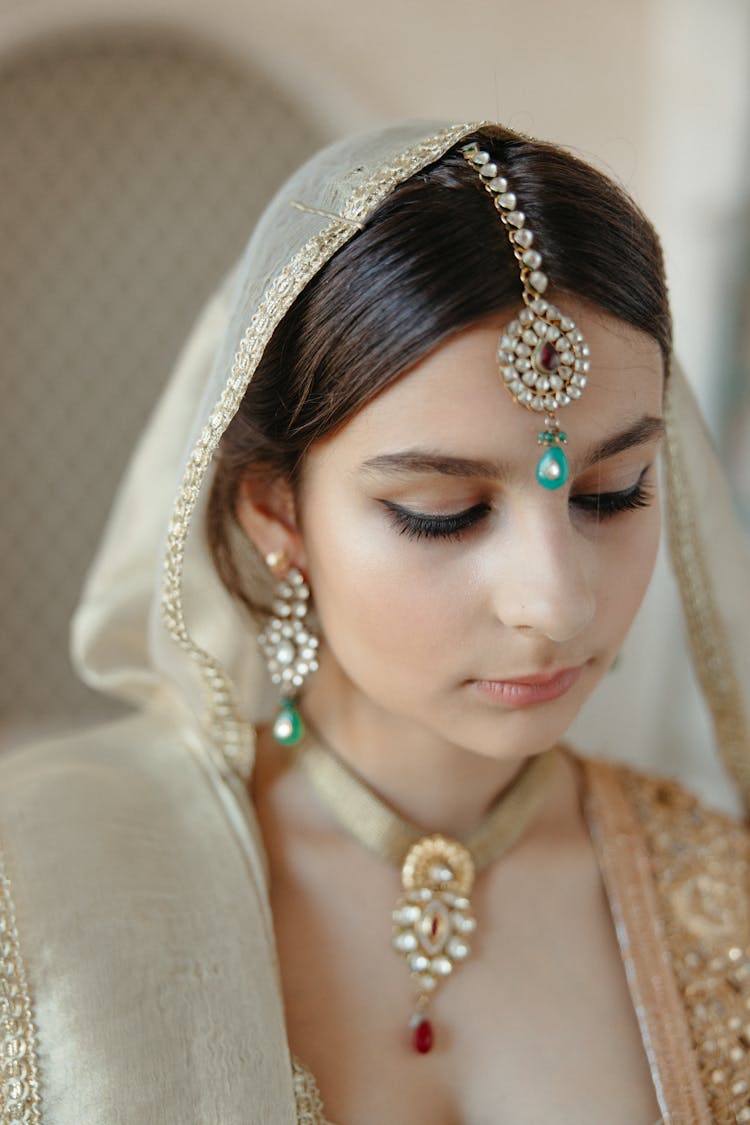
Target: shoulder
[681, 831]
[90, 759]
[690, 845]
[101, 788]
[674, 821]
[133, 893]
[86, 809]
[701, 864]
[128, 807]
[121, 794]
[121, 746]
[699, 861]
[148, 766]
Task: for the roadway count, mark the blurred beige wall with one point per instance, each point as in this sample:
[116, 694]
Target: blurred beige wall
[564, 70]
[656, 91]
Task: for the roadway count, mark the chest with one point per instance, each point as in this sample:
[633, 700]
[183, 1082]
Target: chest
[536, 1025]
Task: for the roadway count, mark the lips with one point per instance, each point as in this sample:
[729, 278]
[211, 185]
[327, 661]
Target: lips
[523, 691]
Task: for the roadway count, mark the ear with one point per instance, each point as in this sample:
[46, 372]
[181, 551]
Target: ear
[266, 512]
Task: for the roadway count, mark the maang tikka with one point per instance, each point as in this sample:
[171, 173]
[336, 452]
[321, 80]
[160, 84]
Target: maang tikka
[289, 646]
[542, 356]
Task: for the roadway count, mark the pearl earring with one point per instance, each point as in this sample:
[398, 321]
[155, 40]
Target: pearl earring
[289, 646]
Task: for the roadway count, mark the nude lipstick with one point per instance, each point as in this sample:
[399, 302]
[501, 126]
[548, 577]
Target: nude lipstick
[524, 691]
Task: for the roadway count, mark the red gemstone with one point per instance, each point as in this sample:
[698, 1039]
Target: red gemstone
[422, 1038]
[549, 359]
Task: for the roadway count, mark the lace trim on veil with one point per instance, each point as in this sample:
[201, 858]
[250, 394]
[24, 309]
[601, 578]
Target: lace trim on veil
[19, 1075]
[307, 1096]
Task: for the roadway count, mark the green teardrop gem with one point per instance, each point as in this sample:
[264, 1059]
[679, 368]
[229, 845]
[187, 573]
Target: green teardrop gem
[288, 727]
[552, 468]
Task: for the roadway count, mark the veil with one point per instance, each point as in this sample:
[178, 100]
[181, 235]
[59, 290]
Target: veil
[156, 627]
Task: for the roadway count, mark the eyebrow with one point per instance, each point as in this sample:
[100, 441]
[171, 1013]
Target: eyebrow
[422, 461]
[419, 461]
[645, 430]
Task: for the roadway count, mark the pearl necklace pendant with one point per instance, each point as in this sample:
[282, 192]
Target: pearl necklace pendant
[432, 921]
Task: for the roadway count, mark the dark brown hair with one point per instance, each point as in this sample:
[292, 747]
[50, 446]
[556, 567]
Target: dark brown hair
[433, 259]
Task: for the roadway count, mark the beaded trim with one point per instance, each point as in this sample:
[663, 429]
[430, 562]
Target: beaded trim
[234, 735]
[307, 1100]
[19, 1075]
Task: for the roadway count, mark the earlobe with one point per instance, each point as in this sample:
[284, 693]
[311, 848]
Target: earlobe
[266, 512]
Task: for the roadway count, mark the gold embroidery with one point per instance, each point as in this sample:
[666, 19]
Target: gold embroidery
[324, 214]
[708, 642]
[701, 863]
[19, 1078]
[231, 733]
[307, 1096]
[626, 869]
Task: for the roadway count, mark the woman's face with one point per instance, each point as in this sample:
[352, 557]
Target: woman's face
[453, 591]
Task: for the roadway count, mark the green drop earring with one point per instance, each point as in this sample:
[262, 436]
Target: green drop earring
[289, 646]
[543, 358]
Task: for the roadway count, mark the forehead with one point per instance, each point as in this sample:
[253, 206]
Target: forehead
[454, 401]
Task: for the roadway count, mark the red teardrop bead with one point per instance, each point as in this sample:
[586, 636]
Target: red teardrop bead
[549, 358]
[422, 1037]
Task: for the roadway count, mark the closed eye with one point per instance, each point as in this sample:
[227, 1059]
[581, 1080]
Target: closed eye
[424, 525]
[604, 505]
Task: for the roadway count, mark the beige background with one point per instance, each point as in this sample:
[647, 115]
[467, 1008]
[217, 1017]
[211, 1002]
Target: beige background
[655, 91]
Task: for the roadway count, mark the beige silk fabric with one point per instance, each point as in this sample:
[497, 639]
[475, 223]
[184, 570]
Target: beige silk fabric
[710, 560]
[144, 933]
[142, 969]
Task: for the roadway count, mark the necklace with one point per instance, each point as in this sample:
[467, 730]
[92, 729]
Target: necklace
[432, 919]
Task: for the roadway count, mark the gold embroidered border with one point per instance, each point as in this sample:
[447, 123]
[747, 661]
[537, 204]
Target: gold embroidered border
[307, 1096]
[701, 863]
[706, 633]
[626, 871]
[19, 1076]
[234, 736]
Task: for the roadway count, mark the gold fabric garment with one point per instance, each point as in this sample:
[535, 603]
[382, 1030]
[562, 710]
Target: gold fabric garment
[676, 877]
[701, 863]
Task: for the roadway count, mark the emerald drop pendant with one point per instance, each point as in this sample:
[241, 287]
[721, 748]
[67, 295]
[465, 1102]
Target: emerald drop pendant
[288, 727]
[552, 468]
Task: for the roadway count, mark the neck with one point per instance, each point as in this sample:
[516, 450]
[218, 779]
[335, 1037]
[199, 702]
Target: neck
[438, 786]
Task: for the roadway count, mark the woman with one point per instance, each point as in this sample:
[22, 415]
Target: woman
[381, 435]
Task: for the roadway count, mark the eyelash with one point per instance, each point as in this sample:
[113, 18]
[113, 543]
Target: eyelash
[602, 506]
[416, 526]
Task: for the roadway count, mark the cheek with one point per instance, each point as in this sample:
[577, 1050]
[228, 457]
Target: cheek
[626, 573]
[381, 596]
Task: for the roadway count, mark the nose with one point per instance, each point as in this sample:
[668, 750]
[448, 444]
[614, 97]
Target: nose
[544, 583]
